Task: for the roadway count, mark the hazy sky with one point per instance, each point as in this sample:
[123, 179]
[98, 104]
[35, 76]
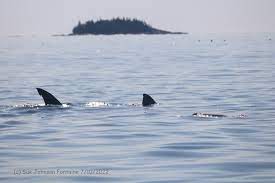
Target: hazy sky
[59, 16]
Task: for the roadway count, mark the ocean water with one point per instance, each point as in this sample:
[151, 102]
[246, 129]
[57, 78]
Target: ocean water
[102, 137]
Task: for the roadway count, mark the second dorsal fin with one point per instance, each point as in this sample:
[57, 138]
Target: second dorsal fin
[147, 100]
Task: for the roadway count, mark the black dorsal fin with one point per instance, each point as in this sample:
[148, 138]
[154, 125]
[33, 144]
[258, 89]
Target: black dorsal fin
[48, 98]
[147, 100]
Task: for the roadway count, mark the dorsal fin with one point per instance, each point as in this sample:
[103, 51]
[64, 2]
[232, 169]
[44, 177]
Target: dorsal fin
[147, 100]
[48, 98]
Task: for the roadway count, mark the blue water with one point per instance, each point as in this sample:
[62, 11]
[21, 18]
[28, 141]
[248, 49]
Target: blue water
[120, 142]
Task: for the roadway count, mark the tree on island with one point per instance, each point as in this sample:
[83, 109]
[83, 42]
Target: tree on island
[117, 26]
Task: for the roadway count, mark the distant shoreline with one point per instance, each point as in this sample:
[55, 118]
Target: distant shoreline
[65, 35]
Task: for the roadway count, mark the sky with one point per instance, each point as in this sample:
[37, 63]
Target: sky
[47, 17]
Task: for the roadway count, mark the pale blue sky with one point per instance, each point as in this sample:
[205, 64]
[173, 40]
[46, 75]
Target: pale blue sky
[46, 17]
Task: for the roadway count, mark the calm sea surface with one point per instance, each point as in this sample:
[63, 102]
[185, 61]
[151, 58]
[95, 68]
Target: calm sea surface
[114, 141]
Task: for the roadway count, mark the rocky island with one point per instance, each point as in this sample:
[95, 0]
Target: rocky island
[117, 26]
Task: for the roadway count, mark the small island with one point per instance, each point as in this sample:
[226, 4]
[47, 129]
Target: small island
[117, 26]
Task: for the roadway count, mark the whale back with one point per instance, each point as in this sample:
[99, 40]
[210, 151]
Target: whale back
[208, 115]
